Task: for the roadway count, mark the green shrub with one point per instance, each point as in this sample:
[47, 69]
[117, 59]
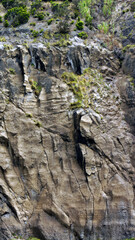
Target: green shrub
[35, 33]
[82, 35]
[62, 43]
[60, 9]
[33, 11]
[36, 4]
[128, 47]
[72, 22]
[0, 19]
[107, 8]
[12, 71]
[38, 124]
[132, 7]
[8, 46]
[130, 239]
[80, 25]
[34, 85]
[81, 86]
[63, 26]
[104, 27]
[40, 16]
[85, 10]
[13, 3]
[17, 16]
[50, 21]
[76, 13]
[2, 39]
[88, 20]
[47, 35]
[41, 30]
[32, 24]
[6, 23]
[29, 115]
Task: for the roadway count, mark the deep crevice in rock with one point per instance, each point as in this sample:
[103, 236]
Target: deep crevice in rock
[37, 233]
[7, 200]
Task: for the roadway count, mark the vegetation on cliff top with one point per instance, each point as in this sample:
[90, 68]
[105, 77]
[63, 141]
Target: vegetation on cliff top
[19, 11]
[75, 17]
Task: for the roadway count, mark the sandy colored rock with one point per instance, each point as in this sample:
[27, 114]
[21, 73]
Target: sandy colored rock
[65, 174]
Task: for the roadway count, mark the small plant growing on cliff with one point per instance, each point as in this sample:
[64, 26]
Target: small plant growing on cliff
[35, 5]
[47, 35]
[80, 25]
[29, 115]
[129, 239]
[60, 9]
[12, 71]
[40, 16]
[132, 7]
[38, 123]
[82, 85]
[1, 19]
[17, 16]
[127, 47]
[85, 10]
[63, 26]
[6, 23]
[62, 43]
[2, 39]
[33, 24]
[104, 27]
[50, 21]
[8, 46]
[13, 3]
[35, 33]
[34, 85]
[83, 35]
[107, 7]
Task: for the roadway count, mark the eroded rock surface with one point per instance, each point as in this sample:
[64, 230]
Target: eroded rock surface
[65, 174]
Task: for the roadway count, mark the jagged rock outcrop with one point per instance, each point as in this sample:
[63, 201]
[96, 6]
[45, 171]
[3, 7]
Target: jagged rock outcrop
[64, 174]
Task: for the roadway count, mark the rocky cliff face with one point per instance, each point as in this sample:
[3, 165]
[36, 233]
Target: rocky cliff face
[67, 172]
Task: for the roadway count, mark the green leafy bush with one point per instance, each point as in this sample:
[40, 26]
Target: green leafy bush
[0, 19]
[35, 33]
[72, 22]
[64, 26]
[62, 43]
[81, 86]
[2, 39]
[104, 27]
[132, 7]
[85, 10]
[50, 21]
[6, 23]
[40, 16]
[33, 11]
[14, 3]
[17, 16]
[76, 13]
[80, 25]
[107, 8]
[88, 20]
[36, 4]
[60, 9]
[11, 71]
[82, 35]
[32, 24]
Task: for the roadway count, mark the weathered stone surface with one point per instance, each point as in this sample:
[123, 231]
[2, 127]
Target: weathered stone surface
[64, 174]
